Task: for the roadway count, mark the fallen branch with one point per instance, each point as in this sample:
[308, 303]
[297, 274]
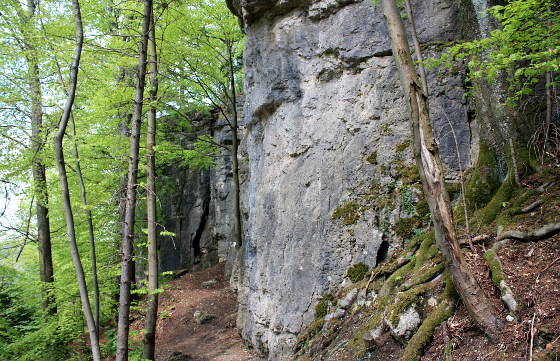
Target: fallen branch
[546, 231]
[373, 275]
[532, 334]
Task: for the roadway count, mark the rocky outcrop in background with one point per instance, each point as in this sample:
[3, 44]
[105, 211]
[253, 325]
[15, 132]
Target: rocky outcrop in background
[330, 163]
[197, 205]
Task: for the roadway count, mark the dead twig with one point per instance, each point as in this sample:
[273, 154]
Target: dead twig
[532, 337]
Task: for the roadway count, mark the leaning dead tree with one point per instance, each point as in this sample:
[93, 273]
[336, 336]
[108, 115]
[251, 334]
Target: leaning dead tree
[428, 161]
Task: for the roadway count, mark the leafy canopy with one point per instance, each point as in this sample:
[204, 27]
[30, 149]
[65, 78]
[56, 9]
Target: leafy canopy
[523, 49]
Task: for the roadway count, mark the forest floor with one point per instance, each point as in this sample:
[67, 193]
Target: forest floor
[179, 337]
[532, 271]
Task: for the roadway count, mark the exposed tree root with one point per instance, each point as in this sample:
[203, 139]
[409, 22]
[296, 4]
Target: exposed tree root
[546, 231]
[496, 270]
[423, 336]
[532, 206]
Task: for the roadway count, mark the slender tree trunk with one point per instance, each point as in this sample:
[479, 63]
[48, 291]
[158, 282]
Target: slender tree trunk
[417, 49]
[234, 154]
[95, 283]
[479, 307]
[548, 84]
[130, 200]
[151, 315]
[39, 178]
[64, 184]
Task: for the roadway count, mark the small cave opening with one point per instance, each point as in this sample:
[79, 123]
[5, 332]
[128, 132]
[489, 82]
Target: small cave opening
[382, 252]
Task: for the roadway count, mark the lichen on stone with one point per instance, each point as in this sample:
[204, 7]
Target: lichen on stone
[348, 212]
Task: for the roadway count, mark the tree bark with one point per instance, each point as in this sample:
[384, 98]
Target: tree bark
[130, 200]
[479, 307]
[417, 49]
[95, 283]
[151, 315]
[39, 179]
[234, 154]
[64, 184]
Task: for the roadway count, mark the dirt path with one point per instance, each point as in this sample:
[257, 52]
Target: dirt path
[180, 338]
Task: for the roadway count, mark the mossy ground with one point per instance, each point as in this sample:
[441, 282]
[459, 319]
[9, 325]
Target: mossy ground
[410, 276]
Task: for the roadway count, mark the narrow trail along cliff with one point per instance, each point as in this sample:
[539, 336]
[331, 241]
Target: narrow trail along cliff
[210, 334]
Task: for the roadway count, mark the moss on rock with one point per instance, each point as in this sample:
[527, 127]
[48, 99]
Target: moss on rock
[323, 306]
[425, 333]
[348, 212]
[372, 158]
[484, 180]
[357, 272]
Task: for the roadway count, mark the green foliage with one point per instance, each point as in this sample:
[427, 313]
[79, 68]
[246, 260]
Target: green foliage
[323, 306]
[201, 156]
[357, 272]
[523, 49]
[196, 42]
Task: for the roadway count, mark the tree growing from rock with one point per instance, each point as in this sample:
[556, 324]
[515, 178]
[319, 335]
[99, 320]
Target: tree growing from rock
[428, 161]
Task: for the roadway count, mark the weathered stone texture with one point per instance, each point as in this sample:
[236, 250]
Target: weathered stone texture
[322, 95]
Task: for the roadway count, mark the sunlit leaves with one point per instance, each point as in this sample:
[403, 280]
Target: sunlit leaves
[522, 51]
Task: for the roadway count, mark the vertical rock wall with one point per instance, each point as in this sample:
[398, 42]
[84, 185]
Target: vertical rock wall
[196, 205]
[327, 134]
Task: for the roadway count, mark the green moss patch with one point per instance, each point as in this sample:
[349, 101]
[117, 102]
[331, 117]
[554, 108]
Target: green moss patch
[372, 158]
[323, 306]
[348, 212]
[357, 272]
[407, 227]
[495, 267]
[402, 146]
[484, 180]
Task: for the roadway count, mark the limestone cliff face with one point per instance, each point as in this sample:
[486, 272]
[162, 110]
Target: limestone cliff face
[330, 168]
[197, 204]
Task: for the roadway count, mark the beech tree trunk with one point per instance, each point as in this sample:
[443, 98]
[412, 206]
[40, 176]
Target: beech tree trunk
[127, 275]
[151, 315]
[93, 257]
[428, 161]
[59, 151]
[38, 167]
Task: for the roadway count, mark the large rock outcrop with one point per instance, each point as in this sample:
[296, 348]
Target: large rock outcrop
[197, 204]
[330, 164]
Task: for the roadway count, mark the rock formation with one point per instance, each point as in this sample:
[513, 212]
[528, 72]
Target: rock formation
[330, 165]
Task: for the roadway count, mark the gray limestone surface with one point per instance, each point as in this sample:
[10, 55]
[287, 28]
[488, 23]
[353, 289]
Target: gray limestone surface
[324, 113]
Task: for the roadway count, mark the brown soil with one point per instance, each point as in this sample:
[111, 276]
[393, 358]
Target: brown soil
[180, 338]
[532, 270]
